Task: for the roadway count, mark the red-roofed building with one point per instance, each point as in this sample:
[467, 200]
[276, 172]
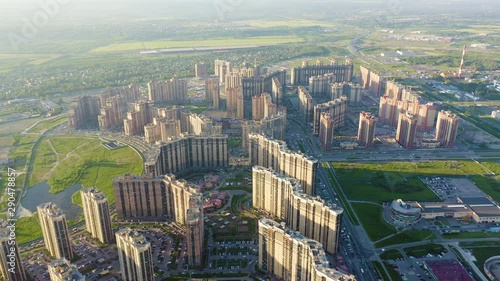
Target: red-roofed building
[447, 270]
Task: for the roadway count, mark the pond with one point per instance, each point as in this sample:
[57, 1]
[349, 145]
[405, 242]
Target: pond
[40, 194]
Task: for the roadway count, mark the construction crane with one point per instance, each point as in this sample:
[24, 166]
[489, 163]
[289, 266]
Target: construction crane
[462, 63]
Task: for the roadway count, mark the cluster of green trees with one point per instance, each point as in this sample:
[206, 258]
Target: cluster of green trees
[71, 77]
[451, 61]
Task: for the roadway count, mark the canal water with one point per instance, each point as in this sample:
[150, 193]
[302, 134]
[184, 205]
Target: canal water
[40, 194]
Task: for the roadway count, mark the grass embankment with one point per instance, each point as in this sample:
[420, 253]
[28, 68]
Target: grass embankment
[345, 204]
[373, 222]
[47, 124]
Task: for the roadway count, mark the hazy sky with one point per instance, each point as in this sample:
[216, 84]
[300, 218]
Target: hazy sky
[13, 11]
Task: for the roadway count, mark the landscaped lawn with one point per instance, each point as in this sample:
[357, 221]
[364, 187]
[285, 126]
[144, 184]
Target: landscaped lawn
[391, 255]
[373, 222]
[407, 236]
[484, 253]
[419, 251]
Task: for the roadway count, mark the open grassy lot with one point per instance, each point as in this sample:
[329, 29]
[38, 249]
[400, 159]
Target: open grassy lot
[371, 218]
[84, 161]
[45, 159]
[386, 181]
[484, 253]
[27, 229]
[407, 236]
[47, 124]
[391, 255]
[217, 42]
[419, 251]
[343, 200]
[471, 235]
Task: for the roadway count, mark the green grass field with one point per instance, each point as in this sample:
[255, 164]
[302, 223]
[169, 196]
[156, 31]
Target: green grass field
[345, 204]
[380, 270]
[28, 229]
[84, 161]
[484, 253]
[216, 42]
[387, 181]
[45, 159]
[371, 218]
[471, 235]
[47, 124]
[407, 236]
[419, 251]
[391, 255]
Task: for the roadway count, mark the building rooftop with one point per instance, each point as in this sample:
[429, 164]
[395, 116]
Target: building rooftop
[486, 211]
[471, 201]
[448, 270]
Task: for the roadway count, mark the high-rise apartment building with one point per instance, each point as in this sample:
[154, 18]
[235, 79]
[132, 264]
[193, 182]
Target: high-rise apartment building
[153, 197]
[221, 68]
[352, 91]
[173, 90]
[366, 129]
[111, 112]
[201, 70]
[138, 118]
[97, 216]
[272, 127]
[301, 75]
[275, 154]
[337, 109]
[84, 111]
[306, 104]
[233, 80]
[326, 131]
[55, 231]
[135, 254]
[253, 86]
[277, 91]
[427, 114]
[320, 85]
[388, 111]
[283, 198]
[11, 266]
[212, 93]
[288, 255]
[235, 103]
[63, 270]
[372, 81]
[446, 128]
[188, 152]
[194, 231]
[406, 132]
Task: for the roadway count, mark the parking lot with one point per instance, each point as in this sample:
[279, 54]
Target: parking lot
[449, 189]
